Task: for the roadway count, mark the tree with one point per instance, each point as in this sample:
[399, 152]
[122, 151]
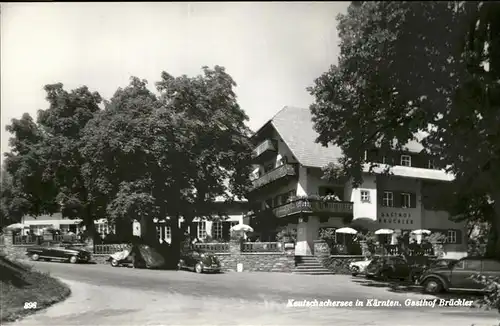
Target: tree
[427, 69]
[169, 155]
[45, 162]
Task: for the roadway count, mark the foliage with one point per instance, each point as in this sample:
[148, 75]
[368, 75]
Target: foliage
[370, 239]
[45, 163]
[287, 235]
[491, 298]
[448, 100]
[172, 154]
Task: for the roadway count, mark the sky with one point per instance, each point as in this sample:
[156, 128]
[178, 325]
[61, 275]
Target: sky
[273, 50]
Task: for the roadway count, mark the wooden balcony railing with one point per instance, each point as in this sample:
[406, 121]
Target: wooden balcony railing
[282, 171]
[266, 145]
[108, 249]
[310, 206]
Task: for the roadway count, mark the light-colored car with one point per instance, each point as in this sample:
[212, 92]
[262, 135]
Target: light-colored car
[358, 267]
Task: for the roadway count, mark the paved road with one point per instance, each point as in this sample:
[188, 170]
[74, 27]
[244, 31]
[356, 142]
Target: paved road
[110, 296]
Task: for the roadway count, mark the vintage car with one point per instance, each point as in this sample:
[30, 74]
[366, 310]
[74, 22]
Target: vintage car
[388, 267]
[199, 261]
[418, 269]
[359, 267]
[59, 252]
[457, 276]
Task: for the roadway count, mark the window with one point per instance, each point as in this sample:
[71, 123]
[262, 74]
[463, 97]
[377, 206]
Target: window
[451, 236]
[217, 230]
[474, 265]
[491, 266]
[405, 160]
[365, 196]
[431, 165]
[277, 200]
[104, 228]
[388, 199]
[384, 159]
[406, 200]
[459, 264]
[168, 232]
[202, 230]
[291, 193]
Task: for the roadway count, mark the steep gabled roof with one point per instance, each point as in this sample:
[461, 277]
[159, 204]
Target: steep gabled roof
[295, 127]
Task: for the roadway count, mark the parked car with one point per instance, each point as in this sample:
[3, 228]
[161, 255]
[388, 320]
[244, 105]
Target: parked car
[144, 256]
[59, 252]
[417, 268]
[458, 275]
[388, 267]
[359, 267]
[199, 261]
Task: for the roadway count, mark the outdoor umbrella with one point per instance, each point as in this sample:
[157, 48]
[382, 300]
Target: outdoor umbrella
[242, 228]
[345, 231]
[419, 234]
[17, 226]
[384, 231]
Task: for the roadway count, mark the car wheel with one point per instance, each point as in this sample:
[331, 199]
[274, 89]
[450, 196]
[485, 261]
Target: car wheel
[114, 263]
[198, 268]
[433, 285]
[355, 270]
[35, 257]
[73, 259]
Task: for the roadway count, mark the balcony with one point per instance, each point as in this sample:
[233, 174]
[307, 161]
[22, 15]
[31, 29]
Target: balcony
[265, 150]
[281, 172]
[314, 207]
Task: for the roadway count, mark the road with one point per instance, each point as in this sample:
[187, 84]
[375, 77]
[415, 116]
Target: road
[103, 295]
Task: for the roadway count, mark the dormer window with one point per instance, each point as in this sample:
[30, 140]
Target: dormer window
[405, 160]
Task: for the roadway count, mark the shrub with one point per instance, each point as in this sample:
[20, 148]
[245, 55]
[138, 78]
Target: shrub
[287, 235]
[491, 299]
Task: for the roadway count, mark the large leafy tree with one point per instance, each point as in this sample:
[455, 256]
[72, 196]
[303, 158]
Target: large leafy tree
[172, 154]
[45, 164]
[419, 68]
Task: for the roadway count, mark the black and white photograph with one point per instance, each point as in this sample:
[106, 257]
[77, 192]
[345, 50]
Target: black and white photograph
[250, 163]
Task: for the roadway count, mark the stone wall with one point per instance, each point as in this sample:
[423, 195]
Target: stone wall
[282, 261]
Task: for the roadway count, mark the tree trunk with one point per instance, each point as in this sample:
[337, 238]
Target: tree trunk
[88, 221]
[177, 237]
[493, 248]
[148, 230]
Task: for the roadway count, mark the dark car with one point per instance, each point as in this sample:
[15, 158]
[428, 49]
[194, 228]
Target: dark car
[419, 267]
[60, 252]
[388, 267]
[458, 275]
[199, 261]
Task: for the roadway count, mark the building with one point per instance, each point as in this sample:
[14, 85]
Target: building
[58, 222]
[288, 163]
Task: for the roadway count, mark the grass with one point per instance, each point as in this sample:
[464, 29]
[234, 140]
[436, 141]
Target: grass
[20, 283]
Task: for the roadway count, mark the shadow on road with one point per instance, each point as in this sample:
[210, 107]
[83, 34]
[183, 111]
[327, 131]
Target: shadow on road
[406, 287]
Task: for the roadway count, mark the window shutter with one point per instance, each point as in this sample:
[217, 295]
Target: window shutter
[459, 236]
[380, 197]
[413, 200]
[193, 230]
[398, 201]
[226, 230]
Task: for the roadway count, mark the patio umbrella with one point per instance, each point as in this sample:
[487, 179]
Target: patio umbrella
[242, 228]
[345, 231]
[384, 231]
[421, 232]
[17, 226]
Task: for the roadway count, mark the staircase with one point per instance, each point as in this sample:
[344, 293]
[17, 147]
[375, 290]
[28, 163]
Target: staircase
[309, 265]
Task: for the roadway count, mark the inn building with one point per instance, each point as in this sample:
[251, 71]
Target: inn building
[288, 164]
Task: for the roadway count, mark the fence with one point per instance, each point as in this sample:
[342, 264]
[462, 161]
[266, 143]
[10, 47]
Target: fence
[262, 247]
[38, 239]
[109, 249]
[212, 247]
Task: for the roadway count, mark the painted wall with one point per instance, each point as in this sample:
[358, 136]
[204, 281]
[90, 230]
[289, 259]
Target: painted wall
[360, 209]
[397, 217]
[440, 220]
